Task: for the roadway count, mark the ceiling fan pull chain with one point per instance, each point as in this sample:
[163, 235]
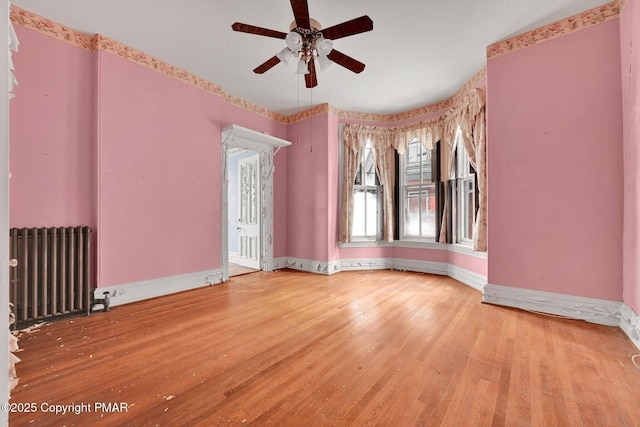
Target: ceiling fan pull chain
[311, 123]
[298, 106]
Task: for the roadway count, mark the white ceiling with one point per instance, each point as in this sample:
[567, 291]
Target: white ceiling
[419, 52]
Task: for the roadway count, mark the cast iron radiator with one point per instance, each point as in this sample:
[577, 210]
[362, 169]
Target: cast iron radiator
[52, 278]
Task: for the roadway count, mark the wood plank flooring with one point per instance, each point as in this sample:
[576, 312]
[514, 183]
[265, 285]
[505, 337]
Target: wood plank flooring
[237, 270]
[287, 348]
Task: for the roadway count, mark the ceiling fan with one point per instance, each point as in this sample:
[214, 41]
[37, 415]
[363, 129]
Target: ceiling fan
[307, 41]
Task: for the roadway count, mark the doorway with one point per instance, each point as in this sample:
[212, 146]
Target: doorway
[258, 242]
[244, 200]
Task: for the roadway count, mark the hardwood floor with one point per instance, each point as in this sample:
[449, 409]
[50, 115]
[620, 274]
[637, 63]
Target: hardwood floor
[355, 348]
[237, 270]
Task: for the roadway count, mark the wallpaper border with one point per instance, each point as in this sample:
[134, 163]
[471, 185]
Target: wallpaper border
[574, 23]
[128, 53]
[95, 42]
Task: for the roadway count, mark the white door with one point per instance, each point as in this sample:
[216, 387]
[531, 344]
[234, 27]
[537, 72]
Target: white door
[249, 212]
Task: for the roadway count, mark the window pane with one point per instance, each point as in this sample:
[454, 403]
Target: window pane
[469, 208]
[413, 161]
[369, 167]
[418, 164]
[412, 213]
[428, 219]
[365, 213]
[359, 214]
[420, 212]
[426, 166]
[372, 212]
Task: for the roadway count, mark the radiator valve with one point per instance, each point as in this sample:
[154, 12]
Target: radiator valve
[105, 301]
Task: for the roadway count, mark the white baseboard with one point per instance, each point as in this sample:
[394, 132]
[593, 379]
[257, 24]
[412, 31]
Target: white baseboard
[470, 278]
[234, 257]
[430, 267]
[603, 312]
[366, 264]
[310, 266]
[138, 291]
[594, 310]
[630, 323]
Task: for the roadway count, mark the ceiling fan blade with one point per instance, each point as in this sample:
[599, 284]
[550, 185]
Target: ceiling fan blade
[266, 65]
[252, 29]
[301, 13]
[311, 79]
[346, 61]
[348, 28]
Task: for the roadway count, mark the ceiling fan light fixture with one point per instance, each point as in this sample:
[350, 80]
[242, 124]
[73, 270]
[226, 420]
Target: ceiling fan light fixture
[294, 41]
[324, 46]
[302, 67]
[284, 55]
[324, 62]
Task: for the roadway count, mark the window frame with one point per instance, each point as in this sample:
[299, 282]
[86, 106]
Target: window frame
[378, 188]
[464, 174]
[404, 189]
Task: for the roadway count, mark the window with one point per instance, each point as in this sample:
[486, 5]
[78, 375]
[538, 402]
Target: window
[464, 200]
[417, 194]
[367, 199]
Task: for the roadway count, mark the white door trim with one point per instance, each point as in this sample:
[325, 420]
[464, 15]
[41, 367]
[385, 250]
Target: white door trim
[234, 136]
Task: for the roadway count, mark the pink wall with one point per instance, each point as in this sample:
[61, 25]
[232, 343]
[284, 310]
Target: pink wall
[468, 262]
[333, 189]
[629, 45]
[159, 175]
[373, 252]
[52, 134]
[307, 190]
[232, 114]
[101, 141]
[555, 165]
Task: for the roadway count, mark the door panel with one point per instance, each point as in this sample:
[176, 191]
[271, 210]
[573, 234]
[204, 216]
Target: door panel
[249, 211]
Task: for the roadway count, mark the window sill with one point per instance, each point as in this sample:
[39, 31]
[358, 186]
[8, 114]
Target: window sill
[420, 244]
[456, 247]
[365, 244]
[465, 249]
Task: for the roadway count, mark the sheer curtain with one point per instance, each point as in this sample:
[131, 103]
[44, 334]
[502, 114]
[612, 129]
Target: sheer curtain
[384, 156]
[470, 116]
[354, 139]
[474, 133]
[448, 157]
